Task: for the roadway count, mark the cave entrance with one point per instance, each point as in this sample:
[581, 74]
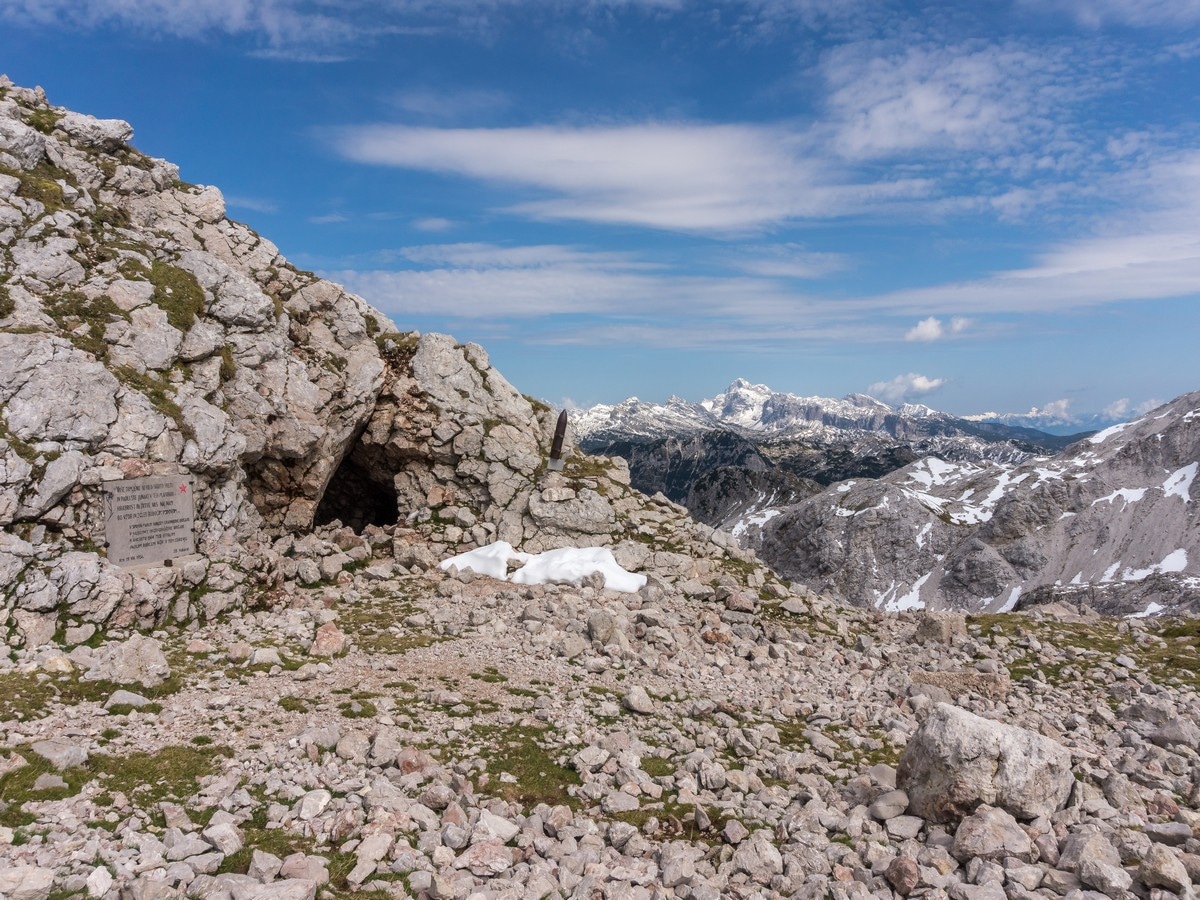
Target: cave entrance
[357, 499]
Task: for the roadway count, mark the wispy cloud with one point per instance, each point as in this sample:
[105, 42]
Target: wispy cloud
[889, 98]
[905, 387]
[786, 261]
[255, 204]
[433, 224]
[1138, 13]
[685, 177]
[444, 105]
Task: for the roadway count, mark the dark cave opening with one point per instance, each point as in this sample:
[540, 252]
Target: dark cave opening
[357, 499]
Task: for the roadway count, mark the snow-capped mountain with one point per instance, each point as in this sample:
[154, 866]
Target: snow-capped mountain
[757, 411]
[695, 452]
[1112, 520]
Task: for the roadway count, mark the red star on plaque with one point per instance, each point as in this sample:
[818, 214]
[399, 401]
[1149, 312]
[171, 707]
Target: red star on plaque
[183, 489]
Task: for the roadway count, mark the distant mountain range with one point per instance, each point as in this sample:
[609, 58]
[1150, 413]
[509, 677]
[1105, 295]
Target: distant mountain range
[908, 507]
[751, 446]
[757, 411]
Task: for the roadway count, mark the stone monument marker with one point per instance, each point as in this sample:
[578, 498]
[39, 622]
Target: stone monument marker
[149, 521]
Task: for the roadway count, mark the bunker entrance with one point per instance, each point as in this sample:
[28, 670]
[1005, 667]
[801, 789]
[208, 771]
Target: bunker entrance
[357, 499]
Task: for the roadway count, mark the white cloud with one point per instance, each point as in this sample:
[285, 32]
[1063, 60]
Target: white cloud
[1055, 409]
[959, 324]
[1146, 405]
[1117, 409]
[566, 288]
[328, 219]
[904, 387]
[926, 330]
[686, 177]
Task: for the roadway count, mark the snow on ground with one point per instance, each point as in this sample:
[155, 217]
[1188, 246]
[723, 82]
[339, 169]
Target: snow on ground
[1175, 561]
[911, 600]
[1179, 482]
[1011, 603]
[760, 518]
[1152, 609]
[931, 471]
[1129, 495]
[569, 565]
[1101, 436]
[922, 534]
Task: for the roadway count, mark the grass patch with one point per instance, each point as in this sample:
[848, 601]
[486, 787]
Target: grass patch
[172, 773]
[8, 306]
[677, 821]
[43, 119]
[17, 787]
[518, 750]
[358, 709]
[177, 292]
[158, 392]
[23, 695]
[490, 675]
[41, 184]
[294, 704]
[72, 309]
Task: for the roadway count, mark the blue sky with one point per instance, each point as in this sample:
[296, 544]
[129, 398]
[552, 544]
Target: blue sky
[987, 205]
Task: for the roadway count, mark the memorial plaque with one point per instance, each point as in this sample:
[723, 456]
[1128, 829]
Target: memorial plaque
[149, 520]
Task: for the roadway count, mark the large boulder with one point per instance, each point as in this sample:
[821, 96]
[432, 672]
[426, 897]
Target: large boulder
[957, 761]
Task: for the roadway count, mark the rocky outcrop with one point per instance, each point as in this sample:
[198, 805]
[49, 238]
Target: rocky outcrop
[142, 332]
[1112, 521]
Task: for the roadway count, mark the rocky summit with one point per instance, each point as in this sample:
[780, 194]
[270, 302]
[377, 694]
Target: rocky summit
[311, 706]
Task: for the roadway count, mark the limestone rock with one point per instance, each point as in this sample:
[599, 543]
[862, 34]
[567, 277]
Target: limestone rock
[957, 761]
[138, 660]
[26, 882]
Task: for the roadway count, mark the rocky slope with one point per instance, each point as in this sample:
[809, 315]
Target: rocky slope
[311, 707]
[1112, 519]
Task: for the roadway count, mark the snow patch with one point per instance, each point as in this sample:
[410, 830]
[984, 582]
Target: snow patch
[845, 486]
[1129, 495]
[1101, 436]
[569, 565]
[1175, 561]
[922, 534]
[911, 600]
[1011, 603]
[1152, 609]
[760, 519]
[1179, 482]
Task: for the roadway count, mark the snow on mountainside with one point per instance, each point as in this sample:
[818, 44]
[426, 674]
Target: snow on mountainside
[757, 411]
[1111, 519]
